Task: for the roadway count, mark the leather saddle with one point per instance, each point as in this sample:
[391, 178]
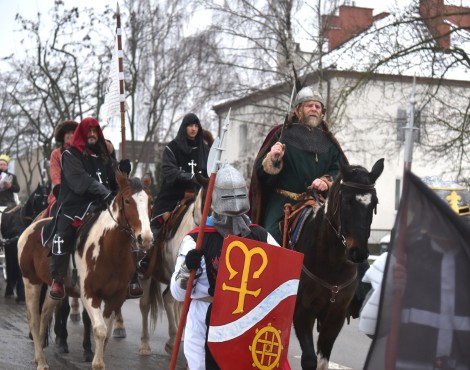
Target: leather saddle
[294, 219]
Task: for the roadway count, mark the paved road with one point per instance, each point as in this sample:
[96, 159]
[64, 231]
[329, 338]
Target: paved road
[17, 349]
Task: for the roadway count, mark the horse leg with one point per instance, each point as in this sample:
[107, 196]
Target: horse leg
[144, 306]
[304, 333]
[87, 352]
[33, 293]
[329, 331]
[119, 330]
[75, 310]
[99, 333]
[173, 310]
[109, 325]
[60, 327]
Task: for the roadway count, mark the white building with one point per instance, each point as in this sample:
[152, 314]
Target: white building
[369, 109]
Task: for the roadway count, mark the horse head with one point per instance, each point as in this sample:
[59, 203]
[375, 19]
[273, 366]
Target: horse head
[351, 204]
[37, 202]
[133, 203]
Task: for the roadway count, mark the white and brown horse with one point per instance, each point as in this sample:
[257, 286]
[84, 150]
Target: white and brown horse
[160, 272]
[104, 263]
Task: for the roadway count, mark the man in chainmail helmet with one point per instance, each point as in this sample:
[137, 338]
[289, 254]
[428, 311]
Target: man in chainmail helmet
[229, 205]
[307, 159]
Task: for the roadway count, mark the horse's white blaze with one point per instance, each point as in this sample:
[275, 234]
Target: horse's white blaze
[141, 199]
[365, 199]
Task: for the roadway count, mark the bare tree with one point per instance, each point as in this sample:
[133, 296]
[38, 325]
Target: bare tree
[53, 81]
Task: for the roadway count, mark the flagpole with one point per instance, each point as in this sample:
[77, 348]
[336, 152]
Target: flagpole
[207, 205]
[391, 350]
[122, 98]
[409, 130]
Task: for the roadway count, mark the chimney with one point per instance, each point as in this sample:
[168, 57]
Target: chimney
[351, 21]
[434, 14]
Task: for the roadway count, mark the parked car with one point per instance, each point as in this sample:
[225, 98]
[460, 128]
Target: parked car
[384, 244]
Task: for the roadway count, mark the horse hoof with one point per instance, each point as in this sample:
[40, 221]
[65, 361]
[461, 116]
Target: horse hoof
[169, 348]
[145, 352]
[63, 348]
[119, 333]
[75, 317]
[87, 356]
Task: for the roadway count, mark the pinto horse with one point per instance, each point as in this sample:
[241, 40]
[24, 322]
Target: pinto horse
[160, 273]
[333, 240]
[104, 265]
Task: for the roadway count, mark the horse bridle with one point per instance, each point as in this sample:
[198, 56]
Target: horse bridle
[350, 184]
[127, 228]
[335, 289]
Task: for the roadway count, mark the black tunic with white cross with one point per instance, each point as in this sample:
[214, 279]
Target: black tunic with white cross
[81, 179]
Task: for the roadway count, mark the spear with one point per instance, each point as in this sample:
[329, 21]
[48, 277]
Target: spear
[212, 163]
[297, 86]
[122, 98]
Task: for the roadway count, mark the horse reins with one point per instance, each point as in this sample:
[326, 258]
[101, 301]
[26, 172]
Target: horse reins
[128, 229]
[335, 289]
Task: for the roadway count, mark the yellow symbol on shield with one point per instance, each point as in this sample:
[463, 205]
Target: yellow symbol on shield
[266, 348]
[243, 289]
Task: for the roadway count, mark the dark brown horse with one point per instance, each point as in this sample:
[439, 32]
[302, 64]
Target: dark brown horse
[333, 241]
[104, 265]
[14, 221]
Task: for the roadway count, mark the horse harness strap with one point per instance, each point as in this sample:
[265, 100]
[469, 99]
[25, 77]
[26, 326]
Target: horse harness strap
[334, 289]
[354, 185]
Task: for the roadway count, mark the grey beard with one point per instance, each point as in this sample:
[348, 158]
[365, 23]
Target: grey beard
[312, 122]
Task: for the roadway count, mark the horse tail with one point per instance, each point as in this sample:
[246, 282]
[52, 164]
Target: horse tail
[42, 298]
[156, 303]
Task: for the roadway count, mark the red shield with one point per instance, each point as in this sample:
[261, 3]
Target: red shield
[253, 304]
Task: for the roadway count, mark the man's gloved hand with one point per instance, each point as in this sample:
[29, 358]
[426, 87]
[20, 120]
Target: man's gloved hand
[125, 166]
[184, 176]
[106, 201]
[193, 259]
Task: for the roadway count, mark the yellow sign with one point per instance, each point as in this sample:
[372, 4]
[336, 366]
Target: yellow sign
[243, 289]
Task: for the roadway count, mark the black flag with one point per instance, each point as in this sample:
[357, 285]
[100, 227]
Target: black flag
[424, 315]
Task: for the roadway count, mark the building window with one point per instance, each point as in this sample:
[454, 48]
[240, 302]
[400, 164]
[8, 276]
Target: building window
[402, 122]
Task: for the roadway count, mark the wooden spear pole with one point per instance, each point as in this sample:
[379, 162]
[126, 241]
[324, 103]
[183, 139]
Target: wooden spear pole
[122, 98]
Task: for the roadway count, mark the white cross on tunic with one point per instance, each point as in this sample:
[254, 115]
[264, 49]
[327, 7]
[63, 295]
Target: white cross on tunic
[98, 173]
[192, 164]
[58, 241]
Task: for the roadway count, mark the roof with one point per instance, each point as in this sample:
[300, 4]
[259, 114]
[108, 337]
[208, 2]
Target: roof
[390, 37]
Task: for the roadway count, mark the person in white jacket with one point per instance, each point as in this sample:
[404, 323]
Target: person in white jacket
[229, 205]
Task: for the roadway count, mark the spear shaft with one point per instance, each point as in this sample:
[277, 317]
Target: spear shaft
[122, 98]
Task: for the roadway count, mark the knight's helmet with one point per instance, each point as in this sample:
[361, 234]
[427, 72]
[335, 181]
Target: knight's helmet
[308, 94]
[230, 195]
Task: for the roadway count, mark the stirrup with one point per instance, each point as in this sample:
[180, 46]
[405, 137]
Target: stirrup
[134, 291]
[57, 290]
